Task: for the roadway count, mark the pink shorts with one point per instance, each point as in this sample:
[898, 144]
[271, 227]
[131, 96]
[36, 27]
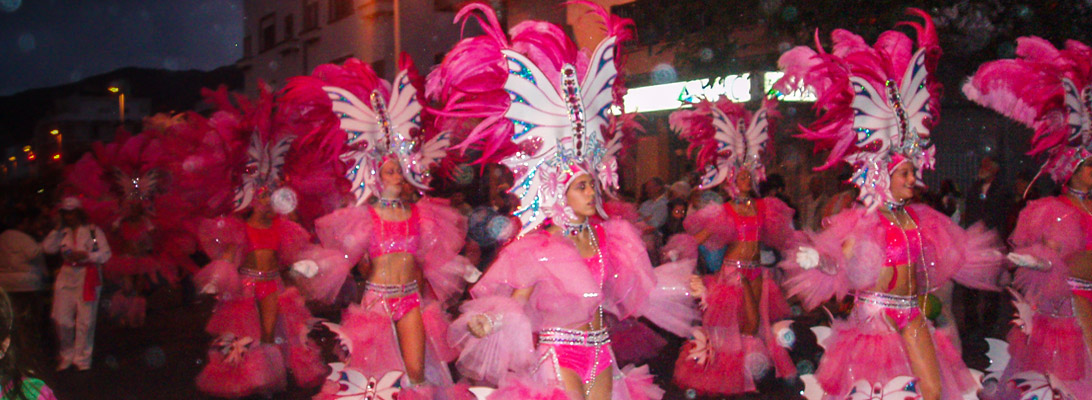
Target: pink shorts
[901, 309]
[263, 283]
[399, 300]
[585, 352]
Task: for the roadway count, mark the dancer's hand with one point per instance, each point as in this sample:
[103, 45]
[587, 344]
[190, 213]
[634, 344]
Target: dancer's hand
[307, 268]
[1028, 261]
[480, 325]
[697, 287]
[807, 257]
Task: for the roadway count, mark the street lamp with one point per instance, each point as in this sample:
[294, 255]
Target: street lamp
[121, 102]
[55, 132]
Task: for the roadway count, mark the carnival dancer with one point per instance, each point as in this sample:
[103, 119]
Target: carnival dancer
[536, 323]
[260, 327]
[83, 249]
[743, 298]
[407, 251]
[1049, 90]
[878, 105]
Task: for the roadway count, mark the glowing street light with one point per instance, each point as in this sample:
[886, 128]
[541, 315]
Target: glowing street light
[56, 157]
[55, 132]
[26, 149]
[31, 157]
[113, 89]
[12, 158]
[121, 102]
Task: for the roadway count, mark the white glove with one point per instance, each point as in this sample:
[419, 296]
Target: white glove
[807, 257]
[482, 325]
[1028, 261]
[209, 289]
[307, 268]
[471, 274]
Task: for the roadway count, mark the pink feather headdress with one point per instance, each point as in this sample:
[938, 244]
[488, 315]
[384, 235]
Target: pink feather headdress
[377, 122]
[1046, 89]
[727, 138]
[544, 106]
[877, 103]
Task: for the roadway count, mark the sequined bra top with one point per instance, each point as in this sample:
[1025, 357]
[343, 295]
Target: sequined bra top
[394, 236]
[263, 238]
[903, 246]
[746, 225]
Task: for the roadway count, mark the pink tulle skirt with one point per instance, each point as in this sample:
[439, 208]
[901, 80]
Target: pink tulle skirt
[263, 369]
[735, 358]
[864, 347]
[1055, 347]
[375, 349]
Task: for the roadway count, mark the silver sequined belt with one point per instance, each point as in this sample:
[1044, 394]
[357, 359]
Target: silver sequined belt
[887, 300]
[741, 264]
[391, 290]
[259, 275]
[1078, 284]
[574, 337]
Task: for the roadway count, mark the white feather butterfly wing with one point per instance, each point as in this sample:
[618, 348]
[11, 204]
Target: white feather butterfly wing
[757, 134]
[403, 107]
[873, 118]
[730, 144]
[1077, 113]
[597, 90]
[541, 119]
[264, 163]
[915, 96]
[357, 118]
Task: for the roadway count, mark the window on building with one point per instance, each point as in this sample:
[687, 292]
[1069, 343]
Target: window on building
[289, 26]
[310, 15]
[340, 9]
[248, 47]
[268, 30]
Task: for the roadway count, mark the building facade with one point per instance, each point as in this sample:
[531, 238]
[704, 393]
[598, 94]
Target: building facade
[286, 38]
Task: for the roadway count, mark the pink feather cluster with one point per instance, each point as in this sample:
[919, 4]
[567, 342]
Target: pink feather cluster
[828, 73]
[1029, 89]
[470, 80]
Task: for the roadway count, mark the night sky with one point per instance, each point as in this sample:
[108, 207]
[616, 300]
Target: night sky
[52, 42]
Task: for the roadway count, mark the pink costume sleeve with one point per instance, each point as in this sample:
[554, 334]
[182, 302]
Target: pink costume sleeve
[777, 231]
[712, 218]
[509, 347]
[443, 230]
[1041, 222]
[636, 289]
[837, 273]
[559, 277]
[343, 236]
[223, 239]
[680, 246]
[971, 257]
[347, 230]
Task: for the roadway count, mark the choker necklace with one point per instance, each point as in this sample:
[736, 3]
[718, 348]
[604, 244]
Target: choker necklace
[742, 200]
[391, 203]
[894, 205]
[1077, 193]
[568, 229]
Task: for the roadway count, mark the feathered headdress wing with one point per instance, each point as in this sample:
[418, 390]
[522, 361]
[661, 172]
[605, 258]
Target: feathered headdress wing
[1046, 89]
[378, 121]
[545, 106]
[726, 137]
[877, 103]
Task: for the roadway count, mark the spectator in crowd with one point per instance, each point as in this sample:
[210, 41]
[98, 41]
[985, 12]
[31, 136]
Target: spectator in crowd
[23, 273]
[988, 200]
[811, 208]
[653, 212]
[16, 377]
